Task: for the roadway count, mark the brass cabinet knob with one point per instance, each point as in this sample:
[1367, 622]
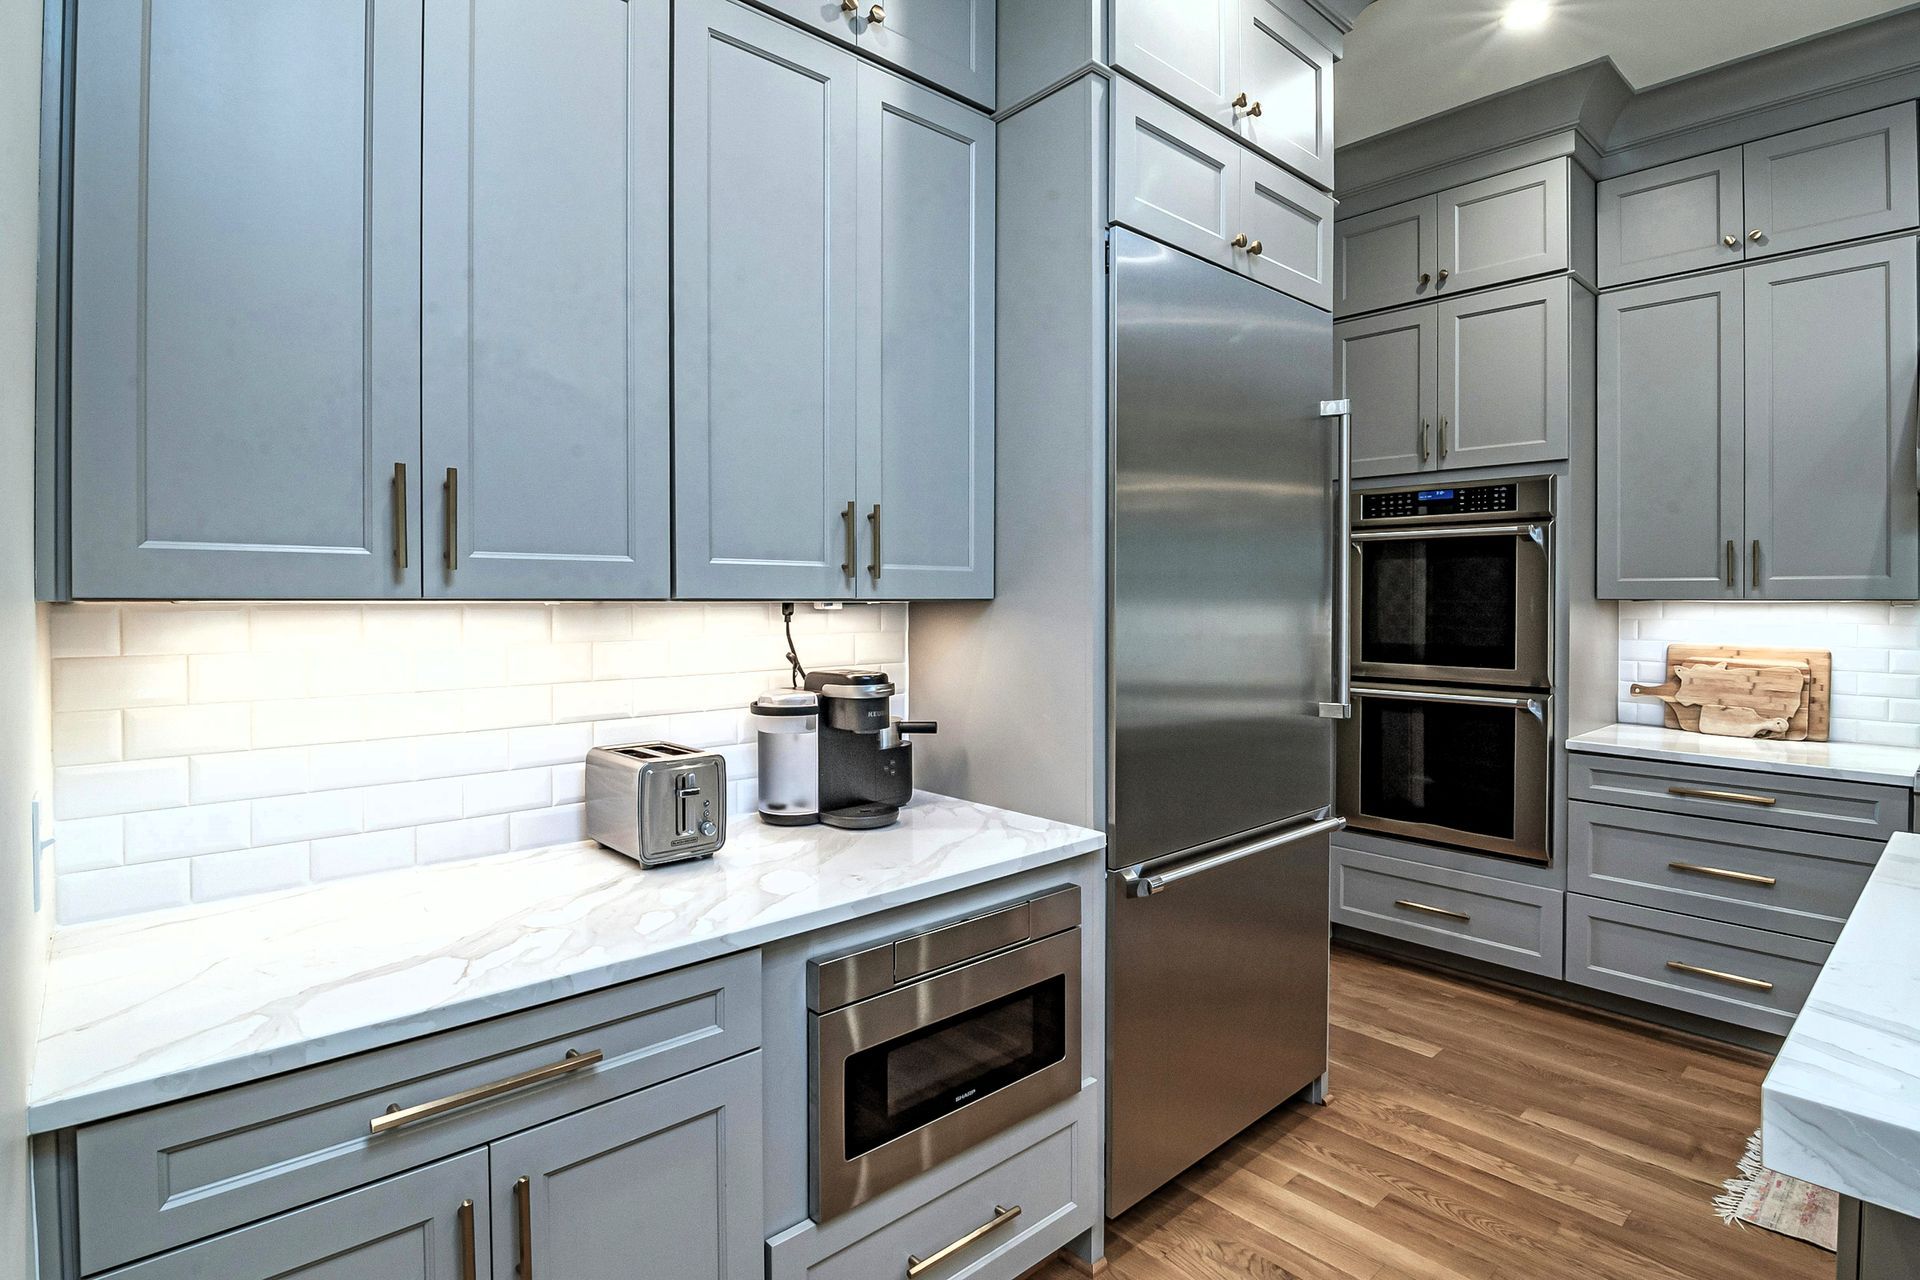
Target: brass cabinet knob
[1444, 273]
[877, 15]
[1732, 242]
[1254, 248]
[1241, 107]
[1254, 110]
[849, 6]
[1426, 278]
[1240, 241]
[1756, 235]
[1240, 100]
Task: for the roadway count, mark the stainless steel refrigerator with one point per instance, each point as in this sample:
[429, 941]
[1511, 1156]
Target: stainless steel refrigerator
[1225, 678]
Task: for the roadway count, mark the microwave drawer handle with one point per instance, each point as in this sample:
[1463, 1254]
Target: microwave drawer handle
[400, 1117]
[1465, 699]
[918, 1266]
[1144, 886]
[1528, 530]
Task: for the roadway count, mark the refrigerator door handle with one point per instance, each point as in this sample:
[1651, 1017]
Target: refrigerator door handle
[1341, 707]
[1145, 886]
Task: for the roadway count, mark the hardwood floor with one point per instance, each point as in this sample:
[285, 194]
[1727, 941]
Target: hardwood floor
[1475, 1133]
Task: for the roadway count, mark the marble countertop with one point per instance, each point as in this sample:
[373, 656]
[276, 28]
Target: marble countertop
[1848, 761]
[1841, 1106]
[155, 1008]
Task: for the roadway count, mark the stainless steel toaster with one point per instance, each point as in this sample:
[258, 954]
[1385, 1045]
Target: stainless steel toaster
[657, 802]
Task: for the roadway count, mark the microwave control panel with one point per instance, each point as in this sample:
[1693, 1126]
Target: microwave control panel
[1459, 500]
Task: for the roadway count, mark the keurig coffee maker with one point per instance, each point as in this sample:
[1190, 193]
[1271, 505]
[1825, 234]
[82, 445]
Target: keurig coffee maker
[866, 762]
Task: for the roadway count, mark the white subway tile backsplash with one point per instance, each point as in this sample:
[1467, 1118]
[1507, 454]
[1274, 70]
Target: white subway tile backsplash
[210, 751]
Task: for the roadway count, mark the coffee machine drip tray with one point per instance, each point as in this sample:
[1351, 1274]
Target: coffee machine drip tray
[862, 817]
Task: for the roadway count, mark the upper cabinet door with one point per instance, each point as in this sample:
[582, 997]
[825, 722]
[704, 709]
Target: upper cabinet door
[1386, 257]
[1504, 228]
[1289, 225]
[1669, 486]
[948, 42]
[1287, 76]
[246, 300]
[1680, 217]
[1174, 178]
[926, 343]
[1832, 344]
[1837, 181]
[1388, 367]
[765, 138]
[1184, 48]
[1504, 389]
[546, 358]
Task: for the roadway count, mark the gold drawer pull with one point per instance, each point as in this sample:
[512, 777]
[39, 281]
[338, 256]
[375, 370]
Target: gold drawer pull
[398, 1116]
[1732, 978]
[1733, 797]
[918, 1266]
[1404, 905]
[469, 1246]
[1720, 873]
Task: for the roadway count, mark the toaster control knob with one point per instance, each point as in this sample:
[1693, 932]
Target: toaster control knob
[707, 828]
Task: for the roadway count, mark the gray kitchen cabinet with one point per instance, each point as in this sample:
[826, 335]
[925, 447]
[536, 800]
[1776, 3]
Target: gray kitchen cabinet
[245, 294]
[1842, 180]
[545, 287]
[1684, 216]
[1506, 227]
[431, 1224]
[1505, 394]
[1669, 479]
[947, 42]
[663, 1182]
[926, 272]
[1386, 257]
[1389, 369]
[1184, 48]
[1876, 1243]
[766, 348]
[1290, 228]
[1832, 342]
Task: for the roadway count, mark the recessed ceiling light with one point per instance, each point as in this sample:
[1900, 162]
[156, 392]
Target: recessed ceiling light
[1525, 15]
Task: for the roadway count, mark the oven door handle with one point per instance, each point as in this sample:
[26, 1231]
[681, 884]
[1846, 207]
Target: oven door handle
[1521, 702]
[1145, 886]
[1341, 708]
[1533, 530]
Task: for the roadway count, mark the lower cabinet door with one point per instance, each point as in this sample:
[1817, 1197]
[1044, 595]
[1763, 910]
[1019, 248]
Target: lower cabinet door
[431, 1224]
[664, 1182]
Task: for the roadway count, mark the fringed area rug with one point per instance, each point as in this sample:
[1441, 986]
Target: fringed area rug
[1772, 1200]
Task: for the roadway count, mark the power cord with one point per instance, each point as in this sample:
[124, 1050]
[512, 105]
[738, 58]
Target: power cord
[793, 655]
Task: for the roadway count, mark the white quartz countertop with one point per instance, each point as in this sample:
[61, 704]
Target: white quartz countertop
[154, 1008]
[1841, 1106]
[1848, 761]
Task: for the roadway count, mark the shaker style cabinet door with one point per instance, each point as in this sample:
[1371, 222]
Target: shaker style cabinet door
[246, 300]
[1669, 482]
[546, 450]
[948, 42]
[765, 308]
[1504, 228]
[1842, 180]
[1833, 340]
[1389, 370]
[1184, 48]
[430, 1224]
[1386, 257]
[1684, 216]
[1504, 390]
[926, 271]
[1290, 228]
[1174, 178]
[1288, 75]
[664, 1182]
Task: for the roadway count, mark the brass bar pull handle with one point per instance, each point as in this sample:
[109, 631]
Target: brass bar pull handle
[852, 550]
[1422, 907]
[1426, 436]
[398, 1117]
[469, 1260]
[400, 517]
[873, 518]
[1443, 439]
[453, 519]
[1754, 567]
[1733, 576]
[1720, 873]
[523, 1210]
[917, 1266]
[1732, 979]
[1732, 797]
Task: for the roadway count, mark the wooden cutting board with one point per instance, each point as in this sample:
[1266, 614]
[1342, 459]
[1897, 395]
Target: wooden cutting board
[1745, 692]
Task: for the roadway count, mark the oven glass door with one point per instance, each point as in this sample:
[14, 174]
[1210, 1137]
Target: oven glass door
[1468, 603]
[1467, 769]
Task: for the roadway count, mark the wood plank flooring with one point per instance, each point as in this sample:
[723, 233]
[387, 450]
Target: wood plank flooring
[1475, 1133]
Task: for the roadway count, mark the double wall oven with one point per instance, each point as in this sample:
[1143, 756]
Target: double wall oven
[1451, 737]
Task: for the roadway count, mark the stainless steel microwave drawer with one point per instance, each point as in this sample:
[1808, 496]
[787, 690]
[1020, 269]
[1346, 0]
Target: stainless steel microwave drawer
[181, 1172]
[1504, 923]
[1861, 810]
[1789, 881]
[1001, 1209]
[1748, 977]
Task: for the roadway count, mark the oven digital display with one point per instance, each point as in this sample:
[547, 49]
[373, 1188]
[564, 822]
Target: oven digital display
[1434, 495]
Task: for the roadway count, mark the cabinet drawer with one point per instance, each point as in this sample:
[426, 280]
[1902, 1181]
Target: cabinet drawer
[1515, 925]
[1044, 1167]
[177, 1173]
[1790, 881]
[1828, 806]
[1748, 977]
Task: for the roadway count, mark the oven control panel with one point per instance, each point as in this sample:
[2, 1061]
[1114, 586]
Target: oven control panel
[1512, 499]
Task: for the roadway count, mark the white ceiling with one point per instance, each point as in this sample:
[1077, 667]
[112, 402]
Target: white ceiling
[1409, 59]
